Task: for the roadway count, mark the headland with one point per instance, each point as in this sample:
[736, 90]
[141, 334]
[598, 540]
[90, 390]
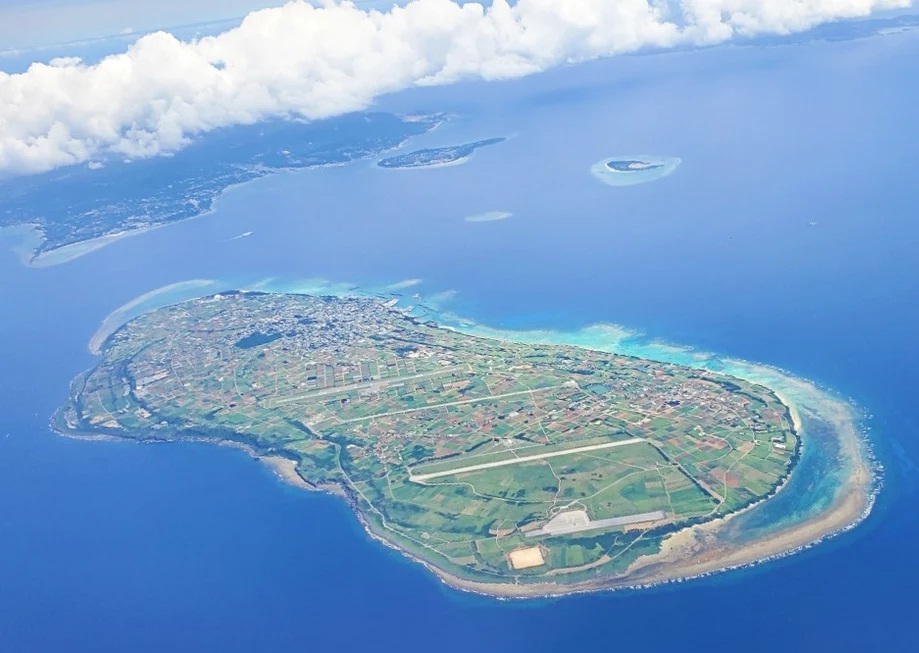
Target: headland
[437, 157]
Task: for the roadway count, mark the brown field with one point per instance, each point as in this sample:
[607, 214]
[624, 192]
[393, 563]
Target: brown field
[527, 558]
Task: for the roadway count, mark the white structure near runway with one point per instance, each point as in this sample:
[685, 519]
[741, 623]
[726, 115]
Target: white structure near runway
[575, 521]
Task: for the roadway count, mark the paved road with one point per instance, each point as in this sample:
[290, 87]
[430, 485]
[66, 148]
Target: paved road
[523, 459]
[459, 402]
[379, 384]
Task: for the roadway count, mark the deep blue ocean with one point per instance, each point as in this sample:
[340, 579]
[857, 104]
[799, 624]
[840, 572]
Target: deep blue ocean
[788, 236]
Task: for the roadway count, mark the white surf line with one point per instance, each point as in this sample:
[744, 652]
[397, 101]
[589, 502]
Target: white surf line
[516, 461]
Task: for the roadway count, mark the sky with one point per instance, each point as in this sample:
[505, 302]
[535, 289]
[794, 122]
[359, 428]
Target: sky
[26, 24]
[33, 23]
[311, 62]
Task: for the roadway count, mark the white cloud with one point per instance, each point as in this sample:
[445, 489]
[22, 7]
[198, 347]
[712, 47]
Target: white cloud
[316, 62]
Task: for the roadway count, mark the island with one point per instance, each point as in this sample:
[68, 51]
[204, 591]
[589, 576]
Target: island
[437, 157]
[490, 216]
[632, 166]
[77, 209]
[633, 170]
[507, 468]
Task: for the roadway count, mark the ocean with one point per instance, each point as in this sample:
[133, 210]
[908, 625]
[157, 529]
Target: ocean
[787, 236]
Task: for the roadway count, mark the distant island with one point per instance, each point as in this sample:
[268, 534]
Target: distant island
[633, 170]
[81, 208]
[632, 165]
[507, 468]
[438, 156]
[491, 216]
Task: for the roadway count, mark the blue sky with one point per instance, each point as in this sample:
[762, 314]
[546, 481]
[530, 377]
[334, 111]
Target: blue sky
[28, 24]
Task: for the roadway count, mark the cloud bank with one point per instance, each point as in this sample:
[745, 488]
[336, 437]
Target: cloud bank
[312, 62]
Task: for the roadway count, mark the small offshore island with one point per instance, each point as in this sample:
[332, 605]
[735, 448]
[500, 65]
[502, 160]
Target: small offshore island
[633, 170]
[490, 216]
[507, 468]
[439, 156]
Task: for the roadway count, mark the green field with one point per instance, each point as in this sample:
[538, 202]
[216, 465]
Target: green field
[454, 447]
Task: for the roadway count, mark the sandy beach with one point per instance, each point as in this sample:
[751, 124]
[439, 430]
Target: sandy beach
[72, 252]
[126, 312]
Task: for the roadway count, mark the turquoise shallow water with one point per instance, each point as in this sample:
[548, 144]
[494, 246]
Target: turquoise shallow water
[631, 170]
[112, 547]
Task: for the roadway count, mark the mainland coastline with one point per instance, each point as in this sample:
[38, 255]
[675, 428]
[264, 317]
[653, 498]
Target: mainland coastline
[46, 233]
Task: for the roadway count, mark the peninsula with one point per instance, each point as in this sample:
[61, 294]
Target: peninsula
[437, 157]
[81, 208]
[508, 468]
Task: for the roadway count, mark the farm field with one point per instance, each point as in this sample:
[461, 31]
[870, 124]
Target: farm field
[490, 460]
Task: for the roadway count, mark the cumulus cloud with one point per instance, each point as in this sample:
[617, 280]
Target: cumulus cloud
[312, 62]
